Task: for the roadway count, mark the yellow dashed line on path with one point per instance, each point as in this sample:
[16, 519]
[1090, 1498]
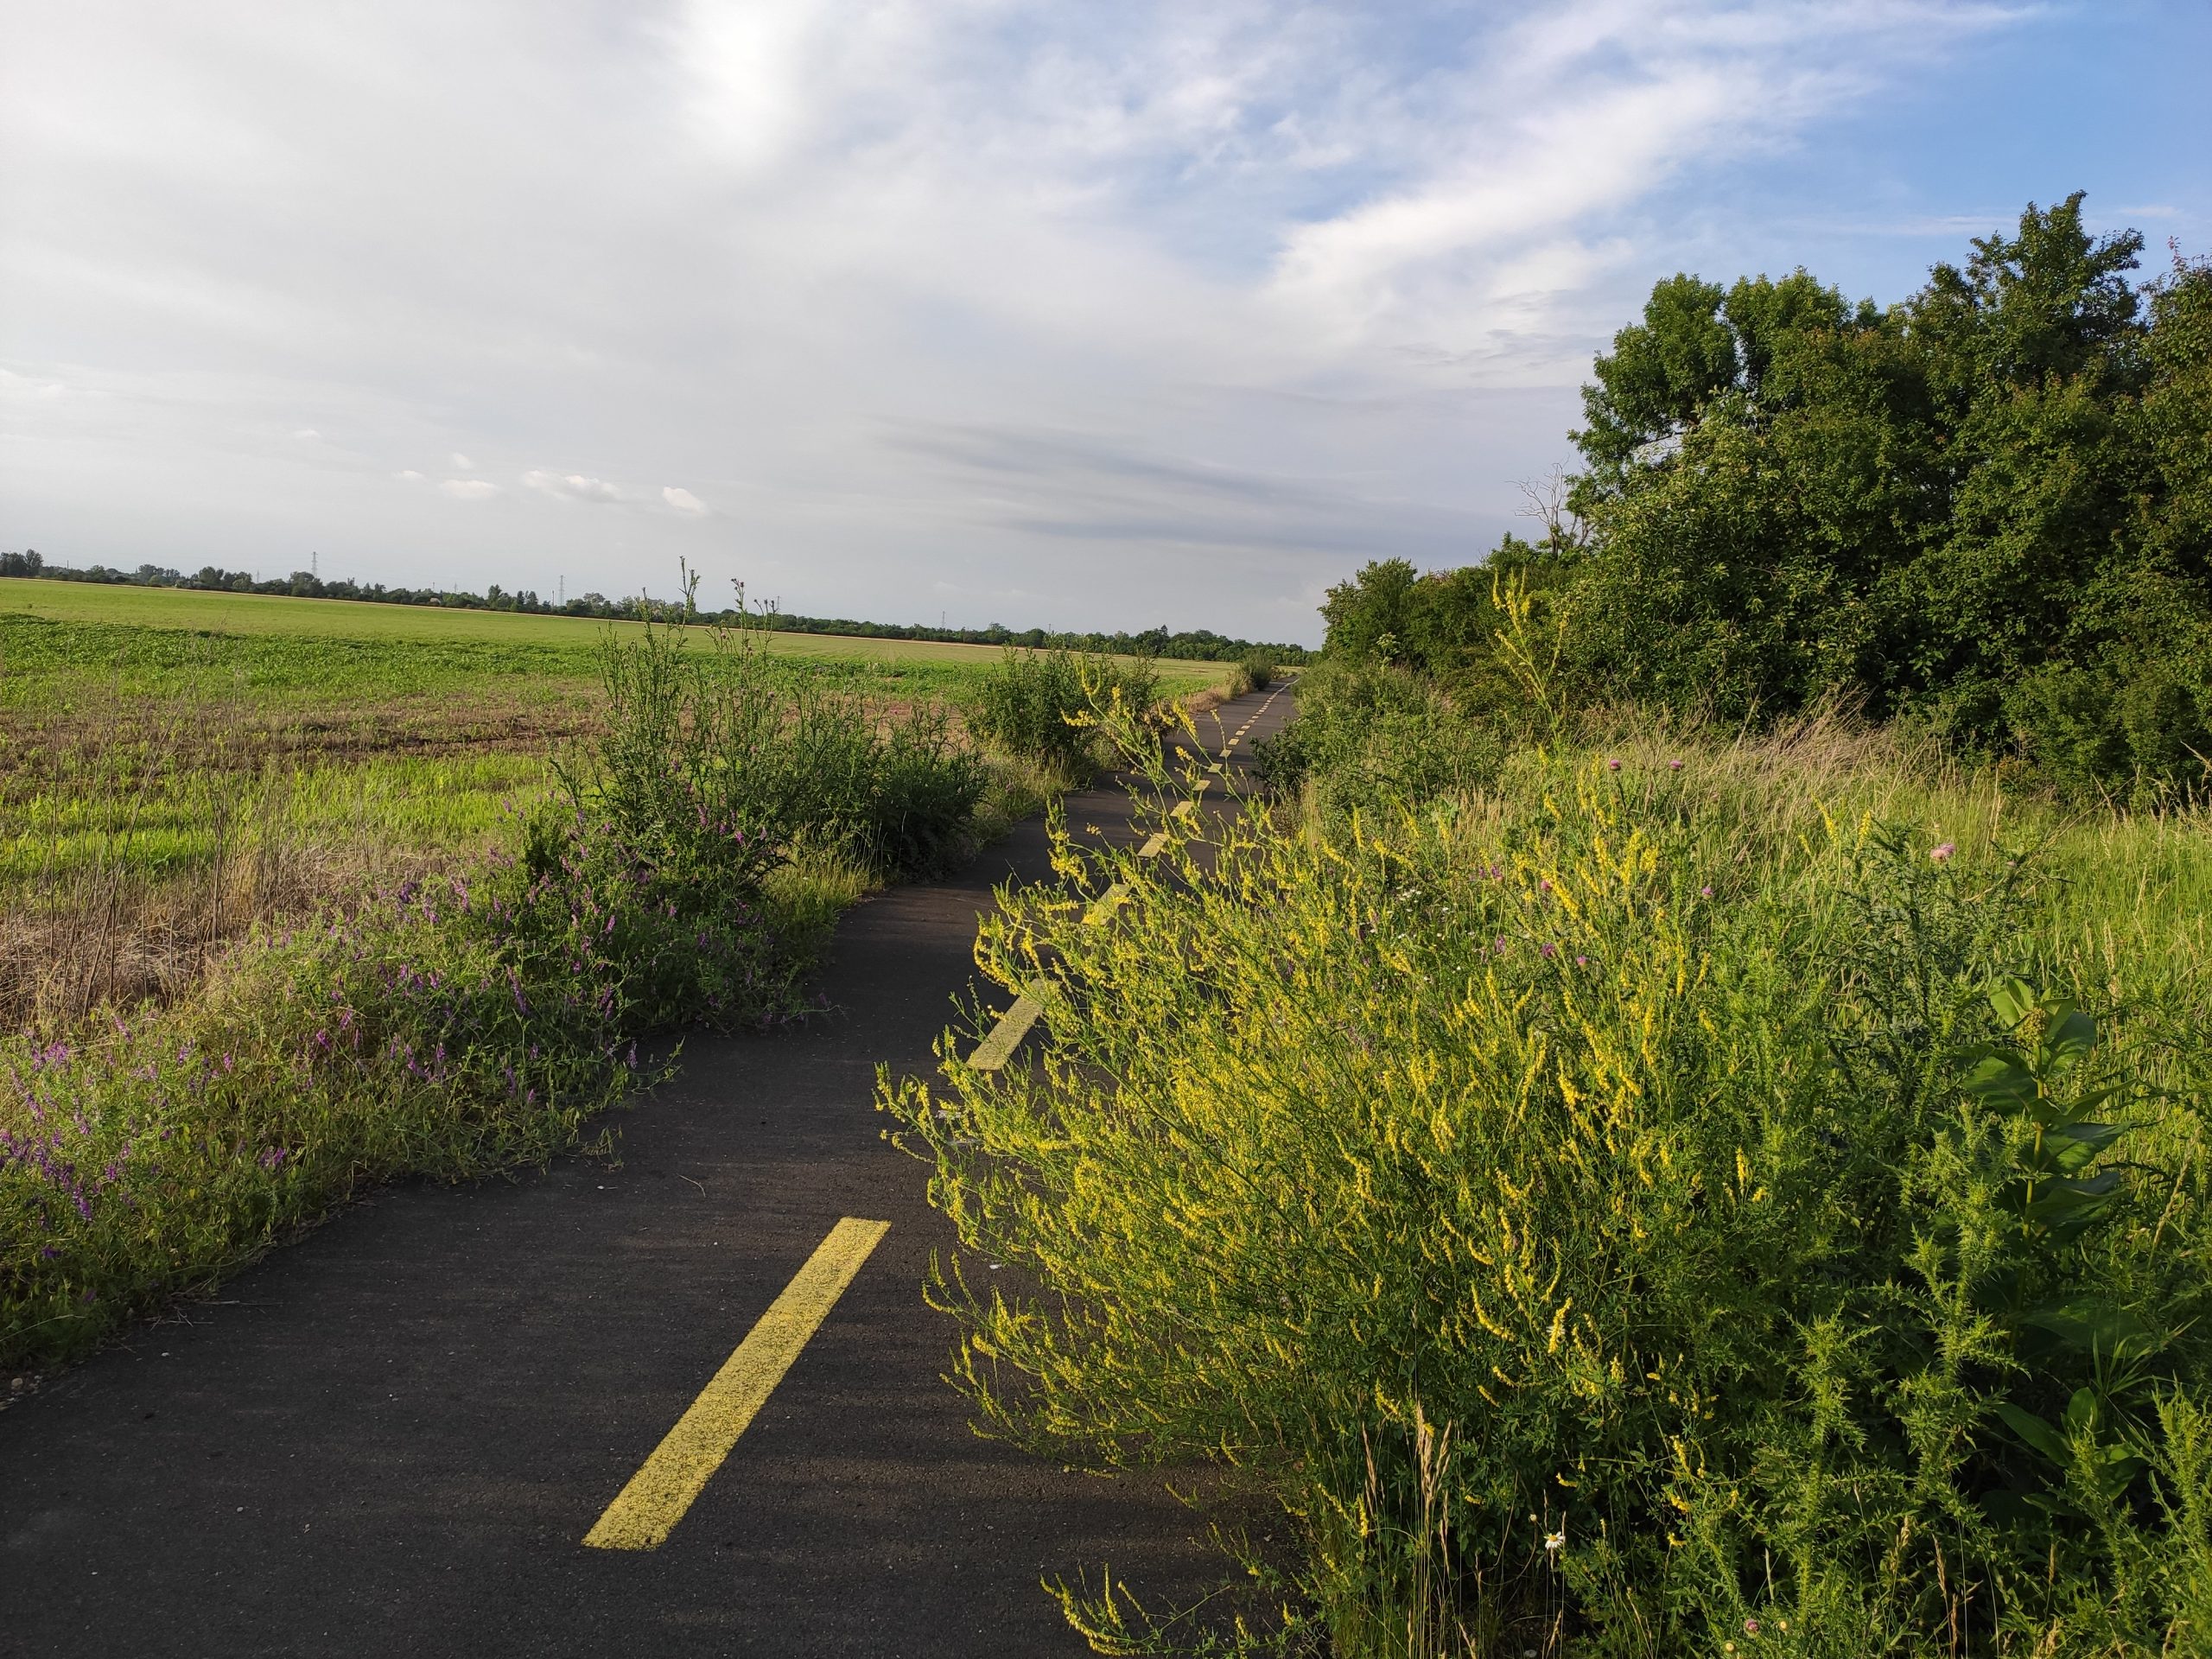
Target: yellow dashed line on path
[646, 1511]
[1238, 736]
[997, 1047]
[995, 1050]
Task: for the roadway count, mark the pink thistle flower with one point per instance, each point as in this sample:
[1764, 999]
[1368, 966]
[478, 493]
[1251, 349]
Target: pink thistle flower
[1941, 852]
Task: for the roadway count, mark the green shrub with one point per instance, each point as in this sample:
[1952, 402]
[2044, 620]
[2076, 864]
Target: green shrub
[1610, 1222]
[712, 767]
[1256, 671]
[1376, 739]
[1043, 705]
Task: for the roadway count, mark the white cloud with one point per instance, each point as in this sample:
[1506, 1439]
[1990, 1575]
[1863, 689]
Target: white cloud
[573, 486]
[17, 385]
[306, 433]
[1019, 299]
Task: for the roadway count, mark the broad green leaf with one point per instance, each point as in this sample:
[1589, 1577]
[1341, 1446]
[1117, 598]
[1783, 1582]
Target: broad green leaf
[2071, 1038]
[2071, 1148]
[2032, 1431]
[2092, 1327]
[2012, 1000]
[2074, 1199]
[2081, 1411]
[2000, 1078]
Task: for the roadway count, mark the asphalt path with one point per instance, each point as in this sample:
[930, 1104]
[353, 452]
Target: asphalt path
[393, 1436]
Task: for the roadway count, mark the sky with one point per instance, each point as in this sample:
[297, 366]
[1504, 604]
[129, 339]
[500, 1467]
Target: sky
[1070, 316]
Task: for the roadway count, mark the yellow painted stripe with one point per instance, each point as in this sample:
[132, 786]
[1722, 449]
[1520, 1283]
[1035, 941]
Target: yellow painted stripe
[646, 1511]
[999, 1044]
[1106, 904]
[995, 1050]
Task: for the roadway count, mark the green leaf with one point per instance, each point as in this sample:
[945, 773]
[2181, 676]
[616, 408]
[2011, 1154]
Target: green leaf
[2012, 1001]
[2071, 1148]
[2000, 1079]
[2033, 1431]
[2080, 1412]
[2072, 1038]
[2074, 1199]
[2091, 1325]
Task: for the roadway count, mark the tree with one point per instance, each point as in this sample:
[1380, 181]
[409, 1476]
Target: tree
[1371, 615]
[1989, 505]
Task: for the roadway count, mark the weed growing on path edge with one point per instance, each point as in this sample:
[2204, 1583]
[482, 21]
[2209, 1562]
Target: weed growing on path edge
[1611, 1217]
[686, 870]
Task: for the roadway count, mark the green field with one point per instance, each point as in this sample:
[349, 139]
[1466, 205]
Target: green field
[278, 641]
[174, 764]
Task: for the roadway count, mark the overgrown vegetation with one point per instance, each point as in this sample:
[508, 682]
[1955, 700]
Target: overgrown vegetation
[1678, 1129]
[1628, 1210]
[1369, 731]
[683, 870]
[163, 787]
[1987, 509]
[1255, 672]
[1042, 706]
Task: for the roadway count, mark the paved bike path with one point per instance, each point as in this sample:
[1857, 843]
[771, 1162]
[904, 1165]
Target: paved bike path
[393, 1436]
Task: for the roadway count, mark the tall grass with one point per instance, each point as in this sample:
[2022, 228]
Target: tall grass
[683, 870]
[1685, 1197]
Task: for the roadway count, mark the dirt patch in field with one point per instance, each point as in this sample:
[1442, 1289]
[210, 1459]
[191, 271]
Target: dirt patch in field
[118, 739]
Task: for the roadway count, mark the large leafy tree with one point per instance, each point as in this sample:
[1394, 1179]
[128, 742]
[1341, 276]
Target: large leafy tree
[1989, 505]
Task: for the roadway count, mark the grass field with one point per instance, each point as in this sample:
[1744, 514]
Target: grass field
[504, 641]
[175, 764]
